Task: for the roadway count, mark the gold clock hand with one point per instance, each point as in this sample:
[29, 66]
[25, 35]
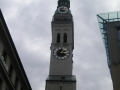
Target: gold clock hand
[64, 8]
[63, 50]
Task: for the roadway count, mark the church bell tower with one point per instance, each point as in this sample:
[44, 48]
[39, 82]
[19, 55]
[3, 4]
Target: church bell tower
[61, 61]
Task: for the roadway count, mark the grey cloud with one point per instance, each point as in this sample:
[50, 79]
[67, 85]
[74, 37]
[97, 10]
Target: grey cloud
[30, 28]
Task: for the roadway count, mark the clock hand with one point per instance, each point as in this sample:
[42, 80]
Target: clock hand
[64, 8]
[63, 50]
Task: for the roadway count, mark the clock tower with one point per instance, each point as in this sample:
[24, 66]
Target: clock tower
[62, 45]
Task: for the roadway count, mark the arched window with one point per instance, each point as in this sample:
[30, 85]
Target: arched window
[58, 38]
[65, 38]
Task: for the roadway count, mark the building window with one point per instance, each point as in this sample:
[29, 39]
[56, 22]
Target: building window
[21, 88]
[11, 71]
[118, 34]
[58, 38]
[4, 59]
[60, 87]
[66, 3]
[16, 83]
[118, 31]
[62, 78]
[62, 3]
[65, 38]
[0, 83]
[4, 55]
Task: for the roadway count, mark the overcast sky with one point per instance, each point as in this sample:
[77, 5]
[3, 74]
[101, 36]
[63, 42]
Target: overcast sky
[29, 22]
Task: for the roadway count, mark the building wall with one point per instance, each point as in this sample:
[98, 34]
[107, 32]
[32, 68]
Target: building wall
[114, 50]
[59, 85]
[11, 69]
[62, 66]
[6, 62]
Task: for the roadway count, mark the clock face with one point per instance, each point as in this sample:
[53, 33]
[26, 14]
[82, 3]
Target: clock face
[61, 53]
[62, 9]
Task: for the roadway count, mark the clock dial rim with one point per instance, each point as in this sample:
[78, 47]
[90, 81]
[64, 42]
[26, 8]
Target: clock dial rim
[64, 53]
[59, 9]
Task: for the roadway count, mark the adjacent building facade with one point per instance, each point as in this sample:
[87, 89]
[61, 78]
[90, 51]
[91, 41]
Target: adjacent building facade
[12, 74]
[61, 61]
[109, 24]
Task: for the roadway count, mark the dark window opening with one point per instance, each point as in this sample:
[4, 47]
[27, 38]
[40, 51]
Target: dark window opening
[118, 31]
[16, 82]
[58, 38]
[118, 27]
[60, 87]
[21, 88]
[66, 3]
[118, 39]
[4, 55]
[63, 78]
[0, 83]
[65, 38]
[4, 59]
[11, 71]
[62, 3]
